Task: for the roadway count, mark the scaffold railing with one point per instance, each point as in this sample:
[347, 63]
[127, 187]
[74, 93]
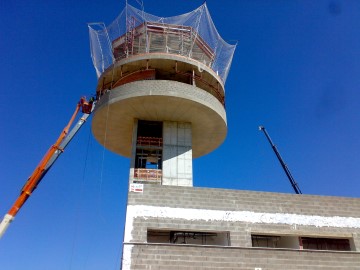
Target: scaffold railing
[148, 175]
[149, 141]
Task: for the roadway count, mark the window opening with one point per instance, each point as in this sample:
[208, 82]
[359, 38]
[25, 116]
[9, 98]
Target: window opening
[325, 243]
[265, 241]
[296, 242]
[149, 129]
[189, 237]
[148, 157]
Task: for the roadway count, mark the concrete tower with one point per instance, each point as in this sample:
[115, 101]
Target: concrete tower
[161, 102]
[161, 98]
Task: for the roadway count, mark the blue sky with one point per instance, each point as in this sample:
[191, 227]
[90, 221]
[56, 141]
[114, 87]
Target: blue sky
[295, 71]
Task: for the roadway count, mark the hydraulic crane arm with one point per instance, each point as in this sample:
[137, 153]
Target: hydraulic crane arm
[293, 183]
[48, 160]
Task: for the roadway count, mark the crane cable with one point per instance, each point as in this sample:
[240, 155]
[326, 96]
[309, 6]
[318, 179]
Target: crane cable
[103, 157]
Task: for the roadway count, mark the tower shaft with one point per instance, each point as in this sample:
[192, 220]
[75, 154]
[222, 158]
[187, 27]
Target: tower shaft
[161, 153]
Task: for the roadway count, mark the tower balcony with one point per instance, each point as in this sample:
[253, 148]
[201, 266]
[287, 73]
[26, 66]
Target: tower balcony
[163, 52]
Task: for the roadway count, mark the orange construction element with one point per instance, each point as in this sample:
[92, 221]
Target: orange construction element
[149, 141]
[150, 175]
[37, 174]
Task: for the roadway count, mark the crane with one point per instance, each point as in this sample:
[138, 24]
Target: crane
[284, 166]
[48, 160]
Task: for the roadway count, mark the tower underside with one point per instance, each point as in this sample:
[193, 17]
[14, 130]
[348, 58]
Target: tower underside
[159, 100]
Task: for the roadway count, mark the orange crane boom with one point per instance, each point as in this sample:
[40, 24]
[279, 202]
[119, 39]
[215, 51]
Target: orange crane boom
[47, 161]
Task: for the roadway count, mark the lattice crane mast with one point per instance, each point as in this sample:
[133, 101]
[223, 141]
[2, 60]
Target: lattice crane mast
[293, 183]
[86, 107]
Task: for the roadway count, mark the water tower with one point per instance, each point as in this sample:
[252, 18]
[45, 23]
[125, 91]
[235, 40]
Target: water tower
[160, 91]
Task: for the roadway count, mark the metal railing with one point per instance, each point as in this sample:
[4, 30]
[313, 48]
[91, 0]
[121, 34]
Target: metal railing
[148, 175]
[149, 141]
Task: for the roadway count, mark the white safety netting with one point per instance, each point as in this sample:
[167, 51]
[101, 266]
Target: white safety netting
[134, 31]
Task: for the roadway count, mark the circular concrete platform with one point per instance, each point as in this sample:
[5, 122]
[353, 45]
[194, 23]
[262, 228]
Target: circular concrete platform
[158, 100]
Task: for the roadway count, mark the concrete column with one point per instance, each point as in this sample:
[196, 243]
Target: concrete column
[177, 154]
[133, 151]
[355, 243]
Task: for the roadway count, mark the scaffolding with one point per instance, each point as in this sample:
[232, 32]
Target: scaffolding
[192, 35]
[147, 176]
[148, 158]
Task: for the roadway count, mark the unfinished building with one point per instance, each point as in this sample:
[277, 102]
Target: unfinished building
[161, 102]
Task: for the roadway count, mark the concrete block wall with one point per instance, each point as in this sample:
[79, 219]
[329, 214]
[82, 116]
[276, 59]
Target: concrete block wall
[227, 199]
[177, 154]
[241, 213]
[180, 257]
